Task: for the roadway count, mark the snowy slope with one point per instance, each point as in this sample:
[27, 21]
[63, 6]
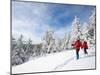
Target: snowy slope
[65, 60]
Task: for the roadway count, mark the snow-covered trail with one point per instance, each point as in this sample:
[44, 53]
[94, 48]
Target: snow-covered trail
[85, 62]
[65, 60]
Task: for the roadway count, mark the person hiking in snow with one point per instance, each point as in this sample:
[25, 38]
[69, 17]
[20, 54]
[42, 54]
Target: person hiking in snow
[85, 47]
[77, 46]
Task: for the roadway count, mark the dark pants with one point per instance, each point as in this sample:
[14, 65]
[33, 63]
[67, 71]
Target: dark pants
[77, 53]
[85, 51]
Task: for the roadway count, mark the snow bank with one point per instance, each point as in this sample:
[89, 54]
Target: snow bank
[65, 60]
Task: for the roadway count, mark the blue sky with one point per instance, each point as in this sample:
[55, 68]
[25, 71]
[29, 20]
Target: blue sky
[32, 19]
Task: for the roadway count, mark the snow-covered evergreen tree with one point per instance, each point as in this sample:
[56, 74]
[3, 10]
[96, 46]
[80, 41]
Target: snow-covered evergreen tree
[58, 44]
[29, 49]
[65, 41]
[92, 25]
[17, 52]
[68, 41]
[49, 40]
[75, 30]
[84, 29]
[20, 46]
[88, 30]
[14, 43]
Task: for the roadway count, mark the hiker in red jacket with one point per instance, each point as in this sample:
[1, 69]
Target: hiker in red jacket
[77, 46]
[85, 46]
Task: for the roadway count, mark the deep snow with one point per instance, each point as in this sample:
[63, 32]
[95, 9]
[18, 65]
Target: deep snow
[65, 60]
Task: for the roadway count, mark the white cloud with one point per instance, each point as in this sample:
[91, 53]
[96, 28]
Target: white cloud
[28, 26]
[27, 29]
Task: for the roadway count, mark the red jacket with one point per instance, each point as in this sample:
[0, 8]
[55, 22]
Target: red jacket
[77, 44]
[84, 45]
